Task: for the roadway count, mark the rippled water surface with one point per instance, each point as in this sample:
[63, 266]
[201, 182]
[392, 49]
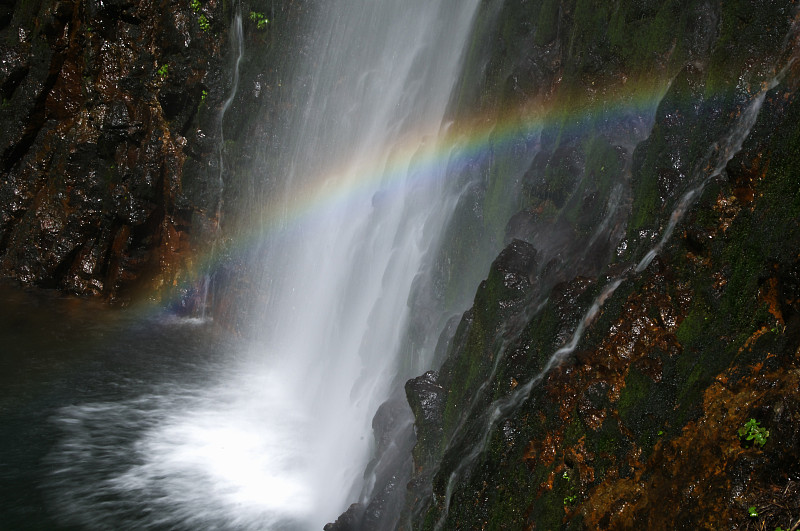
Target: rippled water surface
[115, 419]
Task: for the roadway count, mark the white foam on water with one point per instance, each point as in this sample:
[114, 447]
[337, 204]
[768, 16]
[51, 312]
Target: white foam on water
[280, 438]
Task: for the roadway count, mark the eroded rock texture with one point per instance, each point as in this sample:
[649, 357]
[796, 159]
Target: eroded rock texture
[602, 381]
[99, 114]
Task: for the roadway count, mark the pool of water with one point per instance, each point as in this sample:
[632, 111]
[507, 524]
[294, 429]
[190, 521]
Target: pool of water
[128, 419]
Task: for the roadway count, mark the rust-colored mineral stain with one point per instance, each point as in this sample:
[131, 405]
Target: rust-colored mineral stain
[689, 477]
[692, 475]
[769, 294]
[543, 452]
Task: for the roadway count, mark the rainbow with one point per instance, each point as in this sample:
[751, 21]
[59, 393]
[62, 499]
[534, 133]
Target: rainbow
[417, 156]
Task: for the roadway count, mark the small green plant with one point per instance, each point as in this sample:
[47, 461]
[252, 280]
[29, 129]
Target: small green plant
[259, 18]
[205, 25]
[752, 431]
[752, 512]
[203, 95]
[569, 500]
[163, 71]
[196, 6]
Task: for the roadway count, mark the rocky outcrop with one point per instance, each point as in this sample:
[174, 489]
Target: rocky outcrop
[115, 179]
[615, 379]
[101, 102]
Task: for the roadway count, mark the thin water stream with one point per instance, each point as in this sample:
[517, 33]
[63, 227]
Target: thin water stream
[237, 41]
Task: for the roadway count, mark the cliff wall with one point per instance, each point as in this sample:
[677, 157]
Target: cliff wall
[640, 328]
[112, 165]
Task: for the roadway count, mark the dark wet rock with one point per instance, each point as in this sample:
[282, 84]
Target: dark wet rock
[562, 172]
[390, 416]
[389, 472]
[522, 225]
[446, 339]
[110, 132]
[92, 164]
[639, 423]
[516, 264]
[117, 118]
[350, 520]
[426, 397]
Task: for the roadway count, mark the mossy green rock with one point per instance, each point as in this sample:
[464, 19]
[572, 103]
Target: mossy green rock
[660, 311]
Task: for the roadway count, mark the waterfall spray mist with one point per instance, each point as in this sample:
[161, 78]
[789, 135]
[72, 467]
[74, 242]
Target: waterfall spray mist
[379, 80]
[280, 437]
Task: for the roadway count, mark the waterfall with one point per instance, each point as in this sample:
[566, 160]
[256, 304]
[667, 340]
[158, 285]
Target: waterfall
[360, 202]
[274, 431]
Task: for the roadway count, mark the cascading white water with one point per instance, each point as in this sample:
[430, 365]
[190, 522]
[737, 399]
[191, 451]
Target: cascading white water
[360, 172]
[278, 436]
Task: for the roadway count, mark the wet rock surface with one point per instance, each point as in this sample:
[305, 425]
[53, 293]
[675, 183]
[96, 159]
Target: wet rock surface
[613, 386]
[111, 144]
[97, 100]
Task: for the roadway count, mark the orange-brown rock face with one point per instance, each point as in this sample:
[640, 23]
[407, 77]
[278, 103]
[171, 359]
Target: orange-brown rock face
[97, 98]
